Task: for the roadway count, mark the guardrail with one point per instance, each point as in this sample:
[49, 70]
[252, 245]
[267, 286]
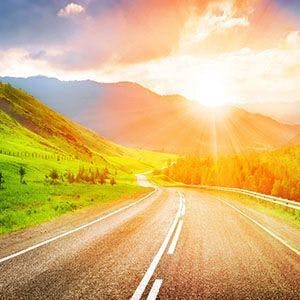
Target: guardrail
[275, 200]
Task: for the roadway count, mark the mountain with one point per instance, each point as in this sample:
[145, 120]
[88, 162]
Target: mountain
[52, 129]
[295, 141]
[67, 97]
[129, 114]
[30, 128]
[287, 112]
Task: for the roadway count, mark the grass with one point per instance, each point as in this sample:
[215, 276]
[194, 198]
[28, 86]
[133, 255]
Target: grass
[163, 180]
[23, 205]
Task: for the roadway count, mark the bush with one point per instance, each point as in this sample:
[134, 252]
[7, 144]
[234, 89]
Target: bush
[1, 180]
[113, 181]
[54, 176]
[22, 173]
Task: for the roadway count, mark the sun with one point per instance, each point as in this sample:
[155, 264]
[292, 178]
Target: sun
[208, 86]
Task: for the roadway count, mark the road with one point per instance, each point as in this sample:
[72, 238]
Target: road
[178, 243]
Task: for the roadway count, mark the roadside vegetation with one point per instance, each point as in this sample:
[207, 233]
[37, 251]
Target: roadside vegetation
[35, 191]
[274, 173]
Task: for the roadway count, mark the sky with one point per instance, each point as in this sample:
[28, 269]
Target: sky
[218, 51]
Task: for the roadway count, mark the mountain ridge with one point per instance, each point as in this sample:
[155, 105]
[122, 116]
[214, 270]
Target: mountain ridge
[129, 114]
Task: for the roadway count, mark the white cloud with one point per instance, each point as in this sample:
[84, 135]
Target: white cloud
[293, 39]
[219, 17]
[71, 9]
[249, 75]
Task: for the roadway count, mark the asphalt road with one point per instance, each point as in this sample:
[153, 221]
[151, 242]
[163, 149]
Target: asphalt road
[176, 244]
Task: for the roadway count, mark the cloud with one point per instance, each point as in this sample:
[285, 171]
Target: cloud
[33, 24]
[293, 39]
[219, 18]
[249, 75]
[115, 31]
[71, 9]
[163, 45]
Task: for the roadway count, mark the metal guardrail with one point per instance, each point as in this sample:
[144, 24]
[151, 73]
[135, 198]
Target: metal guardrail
[269, 198]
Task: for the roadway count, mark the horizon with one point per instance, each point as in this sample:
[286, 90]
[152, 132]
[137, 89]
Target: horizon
[290, 117]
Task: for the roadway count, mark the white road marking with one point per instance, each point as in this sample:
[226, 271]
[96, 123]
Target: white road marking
[183, 210]
[145, 280]
[155, 289]
[181, 195]
[175, 238]
[264, 228]
[3, 259]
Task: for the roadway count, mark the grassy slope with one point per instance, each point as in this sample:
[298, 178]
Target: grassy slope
[36, 136]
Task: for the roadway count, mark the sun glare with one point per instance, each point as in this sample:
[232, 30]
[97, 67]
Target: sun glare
[208, 87]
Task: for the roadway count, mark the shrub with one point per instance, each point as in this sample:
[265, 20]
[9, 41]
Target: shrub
[1, 180]
[54, 176]
[113, 181]
[22, 173]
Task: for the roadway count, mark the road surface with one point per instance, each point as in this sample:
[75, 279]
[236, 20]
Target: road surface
[178, 243]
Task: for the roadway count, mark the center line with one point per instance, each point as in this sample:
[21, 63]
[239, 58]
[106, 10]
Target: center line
[144, 282]
[183, 209]
[155, 289]
[175, 238]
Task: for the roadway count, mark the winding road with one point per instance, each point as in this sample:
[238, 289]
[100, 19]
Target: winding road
[176, 243]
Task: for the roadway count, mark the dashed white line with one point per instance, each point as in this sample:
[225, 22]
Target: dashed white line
[3, 259]
[264, 228]
[145, 280]
[181, 195]
[155, 289]
[183, 210]
[175, 238]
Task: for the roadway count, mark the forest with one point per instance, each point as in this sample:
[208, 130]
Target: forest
[274, 173]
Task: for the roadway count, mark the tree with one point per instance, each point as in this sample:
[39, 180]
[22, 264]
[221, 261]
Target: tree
[106, 172]
[1, 180]
[22, 173]
[102, 179]
[113, 181]
[70, 177]
[54, 176]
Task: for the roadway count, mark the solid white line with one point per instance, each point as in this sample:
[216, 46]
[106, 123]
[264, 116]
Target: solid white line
[175, 238]
[3, 259]
[155, 289]
[264, 228]
[145, 280]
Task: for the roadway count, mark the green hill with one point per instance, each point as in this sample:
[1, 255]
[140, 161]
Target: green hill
[40, 140]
